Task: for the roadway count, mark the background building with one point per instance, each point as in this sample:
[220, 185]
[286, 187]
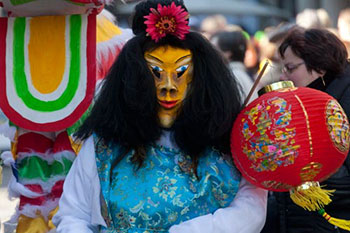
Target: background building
[252, 15]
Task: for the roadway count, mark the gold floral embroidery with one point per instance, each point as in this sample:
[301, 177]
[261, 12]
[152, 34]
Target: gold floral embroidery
[276, 185]
[338, 126]
[310, 171]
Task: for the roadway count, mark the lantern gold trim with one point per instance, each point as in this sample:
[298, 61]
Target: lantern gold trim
[307, 125]
[275, 86]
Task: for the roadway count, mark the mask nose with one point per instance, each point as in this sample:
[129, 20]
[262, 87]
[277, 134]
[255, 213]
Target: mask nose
[168, 86]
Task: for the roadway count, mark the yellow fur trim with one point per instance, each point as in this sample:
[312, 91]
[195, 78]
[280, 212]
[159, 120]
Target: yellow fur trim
[106, 29]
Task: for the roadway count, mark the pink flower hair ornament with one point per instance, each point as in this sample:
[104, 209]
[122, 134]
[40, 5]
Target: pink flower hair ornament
[165, 20]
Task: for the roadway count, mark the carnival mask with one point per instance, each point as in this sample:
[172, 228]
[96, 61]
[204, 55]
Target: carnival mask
[172, 72]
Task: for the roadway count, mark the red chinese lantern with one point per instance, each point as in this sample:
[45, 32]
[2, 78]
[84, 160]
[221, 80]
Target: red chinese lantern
[289, 140]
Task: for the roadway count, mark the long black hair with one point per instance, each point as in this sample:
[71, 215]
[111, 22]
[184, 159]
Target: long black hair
[126, 110]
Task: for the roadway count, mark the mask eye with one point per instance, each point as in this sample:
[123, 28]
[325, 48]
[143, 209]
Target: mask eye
[156, 70]
[181, 70]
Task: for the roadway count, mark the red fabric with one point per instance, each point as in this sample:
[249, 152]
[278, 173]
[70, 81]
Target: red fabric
[56, 192]
[32, 201]
[57, 189]
[285, 168]
[98, 10]
[62, 143]
[30, 142]
[3, 33]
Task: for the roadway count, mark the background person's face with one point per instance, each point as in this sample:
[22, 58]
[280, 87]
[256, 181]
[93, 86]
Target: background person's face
[294, 69]
[172, 72]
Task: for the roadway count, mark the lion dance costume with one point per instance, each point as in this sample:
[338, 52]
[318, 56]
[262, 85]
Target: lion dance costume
[48, 70]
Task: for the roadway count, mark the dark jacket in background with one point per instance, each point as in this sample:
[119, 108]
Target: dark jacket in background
[286, 217]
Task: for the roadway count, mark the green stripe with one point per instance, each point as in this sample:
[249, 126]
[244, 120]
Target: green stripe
[21, 84]
[35, 167]
[19, 2]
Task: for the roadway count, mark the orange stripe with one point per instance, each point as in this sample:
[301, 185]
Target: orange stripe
[46, 51]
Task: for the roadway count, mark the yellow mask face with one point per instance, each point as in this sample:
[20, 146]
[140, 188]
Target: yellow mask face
[172, 72]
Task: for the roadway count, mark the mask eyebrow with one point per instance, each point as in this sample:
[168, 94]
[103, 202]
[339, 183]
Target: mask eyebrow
[155, 58]
[183, 58]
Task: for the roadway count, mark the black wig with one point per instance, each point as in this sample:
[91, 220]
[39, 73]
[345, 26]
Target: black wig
[126, 108]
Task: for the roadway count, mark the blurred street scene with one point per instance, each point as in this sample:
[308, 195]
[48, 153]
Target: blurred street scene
[7, 207]
[252, 30]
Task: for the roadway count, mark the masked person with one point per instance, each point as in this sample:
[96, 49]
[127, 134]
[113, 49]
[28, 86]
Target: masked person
[156, 154]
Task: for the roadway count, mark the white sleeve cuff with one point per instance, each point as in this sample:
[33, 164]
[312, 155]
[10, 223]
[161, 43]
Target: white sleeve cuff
[246, 214]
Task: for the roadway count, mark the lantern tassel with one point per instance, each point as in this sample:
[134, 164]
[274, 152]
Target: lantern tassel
[311, 196]
[341, 223]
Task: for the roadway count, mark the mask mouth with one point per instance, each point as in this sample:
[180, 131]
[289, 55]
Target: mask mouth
[168, 104]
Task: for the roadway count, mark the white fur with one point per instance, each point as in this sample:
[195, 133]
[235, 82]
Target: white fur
[48, 156]
[30, 210]
[112, 45]
[16, 189]
[8, 131]
[105, 13]
[106, 1]
[7, 158]
[45, 185]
